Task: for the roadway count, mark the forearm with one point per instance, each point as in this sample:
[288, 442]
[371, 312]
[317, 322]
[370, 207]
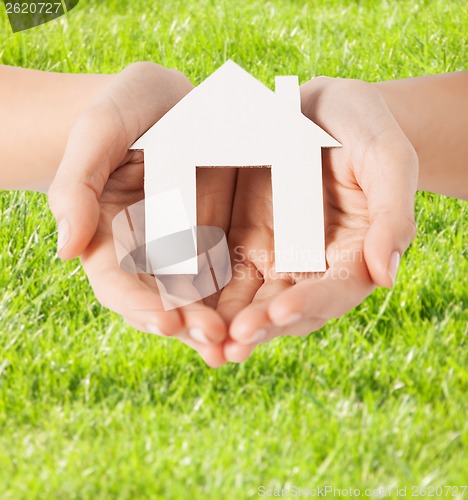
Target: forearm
[433, 112]
[37, 111]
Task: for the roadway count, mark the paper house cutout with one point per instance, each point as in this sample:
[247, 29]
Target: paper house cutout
[233, 120]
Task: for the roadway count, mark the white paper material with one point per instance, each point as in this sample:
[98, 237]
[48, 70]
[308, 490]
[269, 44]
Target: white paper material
[231, 119]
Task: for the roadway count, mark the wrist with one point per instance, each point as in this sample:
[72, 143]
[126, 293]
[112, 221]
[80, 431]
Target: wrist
[77, 93]
[401, 112]
[41, 108]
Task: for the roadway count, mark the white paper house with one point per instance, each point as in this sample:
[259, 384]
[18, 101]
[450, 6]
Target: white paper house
[233, 120]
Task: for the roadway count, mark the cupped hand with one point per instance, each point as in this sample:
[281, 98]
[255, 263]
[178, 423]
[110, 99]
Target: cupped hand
[369, 189]
[98, 177]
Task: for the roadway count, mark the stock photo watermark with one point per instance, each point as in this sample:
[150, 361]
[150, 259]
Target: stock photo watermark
[250, 263]
[27, 14]
[295, 491]
[205, 249]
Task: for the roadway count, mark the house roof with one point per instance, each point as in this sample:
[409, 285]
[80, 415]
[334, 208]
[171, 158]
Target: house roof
[229, 83]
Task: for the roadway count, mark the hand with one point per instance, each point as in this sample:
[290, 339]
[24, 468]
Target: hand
[98, 177]
[369, 190]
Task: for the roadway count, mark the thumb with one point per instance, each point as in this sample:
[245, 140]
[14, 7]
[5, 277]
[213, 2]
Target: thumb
[383, 161]
[390, 189]
[81, 177]
[97, 145]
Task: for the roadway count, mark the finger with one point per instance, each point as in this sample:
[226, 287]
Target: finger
[236, 296]
[80, 179]
[215, 194]
[341, 288]
[125, 293]
[213, 355]
[253, 325]
[390, 188]
[237, 353]
[240, 291]
[142, 327]
[301, 328]
[383, 160]
[250, 231]
[203, 324]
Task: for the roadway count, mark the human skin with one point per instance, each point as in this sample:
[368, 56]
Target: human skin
[37, 112]
[82, 161]
[386, 129]
[433, 113]
[369, 190]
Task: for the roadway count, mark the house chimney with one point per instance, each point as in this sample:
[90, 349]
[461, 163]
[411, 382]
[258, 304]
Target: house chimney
[287, 90]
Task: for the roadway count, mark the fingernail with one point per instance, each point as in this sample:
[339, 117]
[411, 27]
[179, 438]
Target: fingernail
[290, 320]
[154, 329]
[63, 234]
[393, 266]
[198, 335]
[257, 338]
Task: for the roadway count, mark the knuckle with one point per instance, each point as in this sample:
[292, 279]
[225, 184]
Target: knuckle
[323, 79]
[146, 67]
[141, 67]
[348, 87]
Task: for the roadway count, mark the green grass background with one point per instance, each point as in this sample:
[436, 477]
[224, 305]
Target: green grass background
[90, 408]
